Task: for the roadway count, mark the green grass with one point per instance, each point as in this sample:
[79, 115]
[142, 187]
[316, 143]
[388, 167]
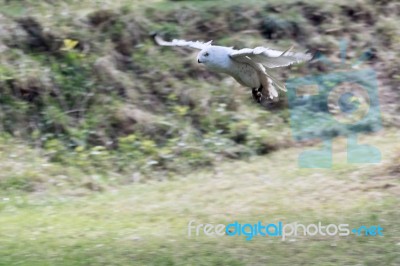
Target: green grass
[72, 206]
[81, 103]
[146, 223]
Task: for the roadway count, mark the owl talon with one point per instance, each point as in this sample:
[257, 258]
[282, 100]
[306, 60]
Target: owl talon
[257, 95]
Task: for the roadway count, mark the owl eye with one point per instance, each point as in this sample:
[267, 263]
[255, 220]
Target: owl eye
[206, 54]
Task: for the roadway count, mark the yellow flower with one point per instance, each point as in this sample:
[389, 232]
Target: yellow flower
[69, 45]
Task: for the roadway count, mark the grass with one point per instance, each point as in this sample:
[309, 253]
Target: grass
[81, 102]
[146, 223]
[61, 206]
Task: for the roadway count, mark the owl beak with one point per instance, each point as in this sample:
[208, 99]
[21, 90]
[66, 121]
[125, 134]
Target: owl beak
[198, 61]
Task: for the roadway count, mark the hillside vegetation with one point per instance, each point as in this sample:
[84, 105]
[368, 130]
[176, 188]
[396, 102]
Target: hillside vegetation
[110, 145]
[84, 83]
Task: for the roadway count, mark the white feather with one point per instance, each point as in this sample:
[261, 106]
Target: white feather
[183, 43]
[270, 58]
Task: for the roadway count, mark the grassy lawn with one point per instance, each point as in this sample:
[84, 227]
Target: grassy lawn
[146, 223]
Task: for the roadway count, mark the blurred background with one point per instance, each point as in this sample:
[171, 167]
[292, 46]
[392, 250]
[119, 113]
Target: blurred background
[110, 145]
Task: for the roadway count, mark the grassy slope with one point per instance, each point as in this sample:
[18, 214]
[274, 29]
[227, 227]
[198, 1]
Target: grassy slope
[106, 105]
[67, 224]
[146, 224]
[149, 99]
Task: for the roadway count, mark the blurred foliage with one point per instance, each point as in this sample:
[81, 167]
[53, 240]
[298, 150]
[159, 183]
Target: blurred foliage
[96, 93]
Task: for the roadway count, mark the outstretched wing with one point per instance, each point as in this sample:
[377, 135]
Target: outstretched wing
[268, 57]
[197, 45]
